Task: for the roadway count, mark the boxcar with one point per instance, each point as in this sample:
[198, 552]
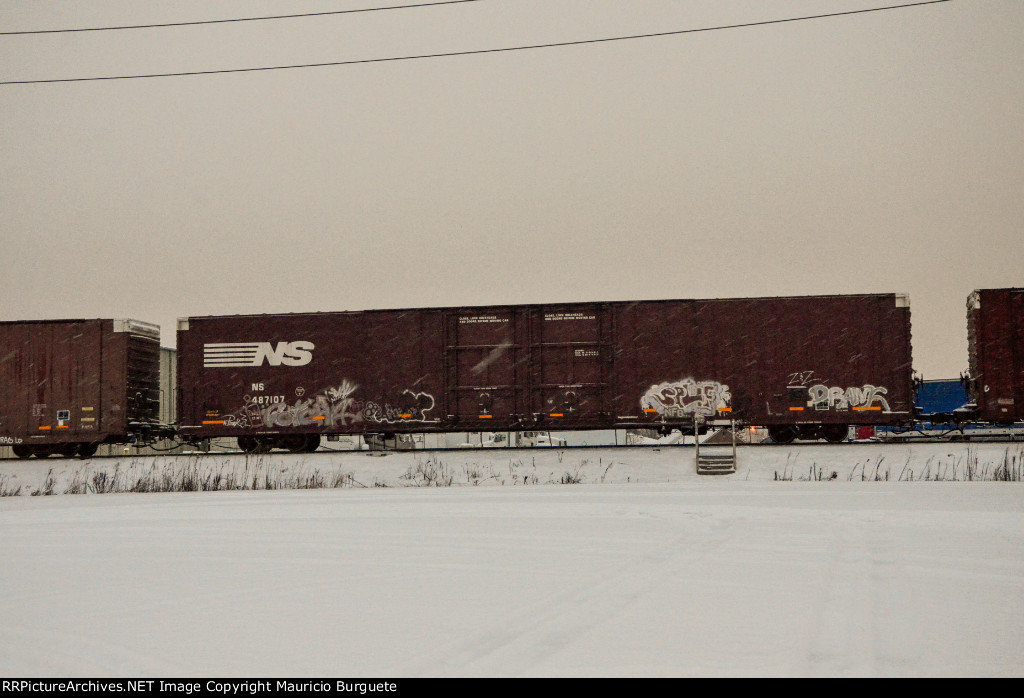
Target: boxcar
[805, 367]
[67, 386]
[995, 340]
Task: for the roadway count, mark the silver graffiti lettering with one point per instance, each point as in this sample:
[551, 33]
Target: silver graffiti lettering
[687, 397]
[823, 397]
[330, 407]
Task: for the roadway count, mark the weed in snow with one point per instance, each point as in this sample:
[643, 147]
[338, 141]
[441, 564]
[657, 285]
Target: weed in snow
[429, 472]
[7, 489]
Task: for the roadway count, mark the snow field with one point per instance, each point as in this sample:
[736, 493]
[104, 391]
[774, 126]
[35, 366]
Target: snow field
[653, 572]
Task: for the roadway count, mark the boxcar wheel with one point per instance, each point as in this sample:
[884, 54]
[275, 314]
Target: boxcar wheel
[312, 443]
[293, 443]
[782, 434]
[22, 451]
[835, 433]
[248, 444]
[87, 450]
[67, 450]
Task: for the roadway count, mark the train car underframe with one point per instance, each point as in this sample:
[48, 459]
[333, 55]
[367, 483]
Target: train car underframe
[310, 442]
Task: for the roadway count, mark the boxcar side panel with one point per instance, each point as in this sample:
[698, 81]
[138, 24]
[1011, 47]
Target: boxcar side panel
[996, 353]
[75, 381]
[311, 373]
[830, 359]
[47, 376]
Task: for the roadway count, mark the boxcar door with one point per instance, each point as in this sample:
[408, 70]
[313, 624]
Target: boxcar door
[570, 347]
[481, 360]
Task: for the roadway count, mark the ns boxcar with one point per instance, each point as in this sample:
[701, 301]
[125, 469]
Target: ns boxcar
[805, 367]
[67, 386]
[995, 339]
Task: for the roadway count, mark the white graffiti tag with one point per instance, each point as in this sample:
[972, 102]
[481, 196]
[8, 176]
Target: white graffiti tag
[346, 388]
[413, 408]
[869, 397]
[687, 397]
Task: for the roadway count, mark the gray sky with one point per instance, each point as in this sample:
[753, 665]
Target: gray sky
[879, 152]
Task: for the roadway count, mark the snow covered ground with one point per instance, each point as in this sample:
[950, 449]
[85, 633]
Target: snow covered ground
[634, 567]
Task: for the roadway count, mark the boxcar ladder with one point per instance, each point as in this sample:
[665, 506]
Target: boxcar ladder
[715, 460]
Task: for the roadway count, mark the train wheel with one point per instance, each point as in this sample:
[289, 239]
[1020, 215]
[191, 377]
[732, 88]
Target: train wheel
[42, 451]
[67, 450]
[293, 443]
[835, 433]
[782, 434]
[22, 451]
[87, 450]
[249, 444]
[312, 443]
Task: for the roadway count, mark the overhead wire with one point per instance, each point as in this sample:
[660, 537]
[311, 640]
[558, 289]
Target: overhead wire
[236, 19]
[471, 52]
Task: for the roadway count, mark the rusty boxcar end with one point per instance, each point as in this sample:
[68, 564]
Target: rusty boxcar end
[67, 386]
[805, 367]
[995, 339]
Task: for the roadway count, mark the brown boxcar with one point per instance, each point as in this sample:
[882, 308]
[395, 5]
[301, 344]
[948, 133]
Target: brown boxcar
[995, 339]
[67, 386]
[802, 366]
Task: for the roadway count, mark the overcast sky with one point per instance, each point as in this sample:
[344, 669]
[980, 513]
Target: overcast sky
[877, 152]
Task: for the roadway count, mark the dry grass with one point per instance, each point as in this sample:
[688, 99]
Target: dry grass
[964, 467]
[193, 474]
[7, 488]
[429, 472]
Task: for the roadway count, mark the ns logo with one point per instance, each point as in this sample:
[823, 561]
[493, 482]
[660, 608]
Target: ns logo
[238, 354]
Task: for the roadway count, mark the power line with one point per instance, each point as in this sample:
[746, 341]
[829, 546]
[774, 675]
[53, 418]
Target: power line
[477, 51]
[239, 19]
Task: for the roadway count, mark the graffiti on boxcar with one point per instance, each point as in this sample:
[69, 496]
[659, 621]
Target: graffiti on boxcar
[331, 407]
[687, 397]
[342, 392]
[314, 411]
[413, 408]
[800, 378]
[823, 397]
